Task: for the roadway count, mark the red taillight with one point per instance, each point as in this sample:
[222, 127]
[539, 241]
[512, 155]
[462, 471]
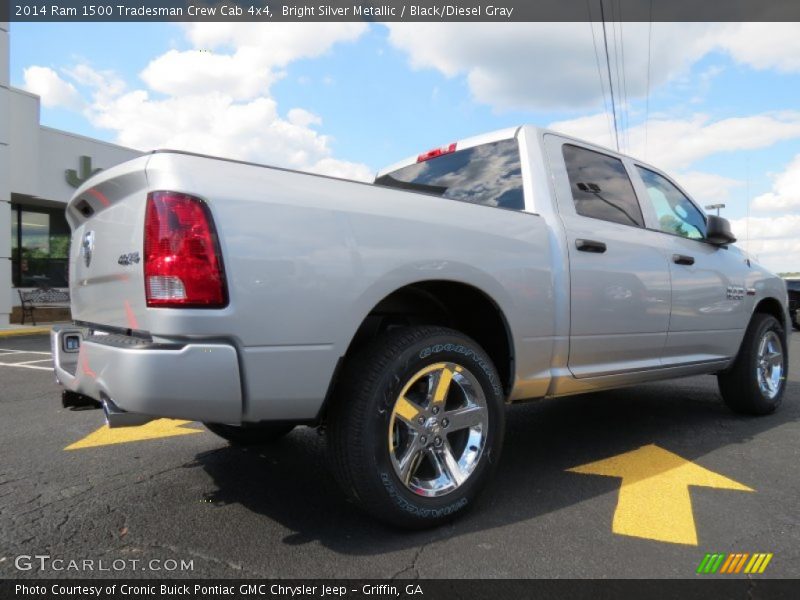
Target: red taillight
[436, 152]
[182, 262]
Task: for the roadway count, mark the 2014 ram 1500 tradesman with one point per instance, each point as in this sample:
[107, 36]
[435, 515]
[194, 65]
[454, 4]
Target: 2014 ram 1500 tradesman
[403, 314]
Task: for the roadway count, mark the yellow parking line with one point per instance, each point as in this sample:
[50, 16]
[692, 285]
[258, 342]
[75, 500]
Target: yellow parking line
[23, 331]
[160, 428]
[763, 565]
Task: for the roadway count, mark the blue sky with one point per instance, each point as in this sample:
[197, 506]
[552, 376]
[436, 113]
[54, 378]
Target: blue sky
[721, 113]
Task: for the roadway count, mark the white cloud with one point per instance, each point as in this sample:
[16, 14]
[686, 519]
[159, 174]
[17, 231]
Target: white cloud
[550, 65]
[674, 144]
[51, 88]
[768, 228]
[241, 59]
[772, 240]
[281, 42]
[554, 65]
[339, 168]
[677, 143]
[215, 99]
[105, 84]
[592, 128]
[708, 187]
[211, 124]
[242, 75]
[763, 45]
[785, 194]
[214, 123]
[303, 118]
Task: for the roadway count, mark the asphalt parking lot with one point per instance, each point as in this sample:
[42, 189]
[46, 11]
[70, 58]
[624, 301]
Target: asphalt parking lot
[276, 512]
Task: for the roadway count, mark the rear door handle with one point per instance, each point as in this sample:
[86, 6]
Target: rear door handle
[590, 246]
[682, 259]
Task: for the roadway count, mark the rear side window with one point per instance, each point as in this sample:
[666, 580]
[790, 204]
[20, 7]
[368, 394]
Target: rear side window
[489, 174]
[600, 186]
[676, 213]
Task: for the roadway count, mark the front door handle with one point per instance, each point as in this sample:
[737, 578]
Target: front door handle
[682, 259]
[590, 246]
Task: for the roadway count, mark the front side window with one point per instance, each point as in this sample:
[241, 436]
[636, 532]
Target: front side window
[489, 174]
[601, 188]
[676, 214]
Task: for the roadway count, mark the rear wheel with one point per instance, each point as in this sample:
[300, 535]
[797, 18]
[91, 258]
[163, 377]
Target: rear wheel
[250, 435]
[756, 382]
[416, 426]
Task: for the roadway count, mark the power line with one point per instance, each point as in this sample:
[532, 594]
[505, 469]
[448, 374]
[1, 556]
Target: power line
[610, 82]
[620, 96]
[625, 107]
[599, 71]
[647, 97]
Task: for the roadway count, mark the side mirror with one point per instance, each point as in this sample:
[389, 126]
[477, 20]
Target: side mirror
[718, 231]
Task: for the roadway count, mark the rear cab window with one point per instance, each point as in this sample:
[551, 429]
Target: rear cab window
[488, 174]
[601, 188]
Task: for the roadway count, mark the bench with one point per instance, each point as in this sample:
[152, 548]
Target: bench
[41, 298]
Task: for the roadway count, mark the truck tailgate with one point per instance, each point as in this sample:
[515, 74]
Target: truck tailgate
[106, 267]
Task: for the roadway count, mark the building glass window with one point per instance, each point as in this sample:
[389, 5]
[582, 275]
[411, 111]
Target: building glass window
[14, 243]
[39, 247]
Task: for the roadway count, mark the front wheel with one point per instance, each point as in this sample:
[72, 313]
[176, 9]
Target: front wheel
[756, 381]
[416, 425]
[250, 435]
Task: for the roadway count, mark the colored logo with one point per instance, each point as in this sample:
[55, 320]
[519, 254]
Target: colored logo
[742, 562]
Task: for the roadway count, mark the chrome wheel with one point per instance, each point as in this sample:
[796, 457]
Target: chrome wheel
[769, 364]
[438, 429]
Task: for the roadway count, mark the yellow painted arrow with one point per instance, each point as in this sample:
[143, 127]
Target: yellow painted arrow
[654, 500]
[160, 428]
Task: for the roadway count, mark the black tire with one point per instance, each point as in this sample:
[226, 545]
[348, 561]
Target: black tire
[739, 385]
[250, 435]
[361, 413]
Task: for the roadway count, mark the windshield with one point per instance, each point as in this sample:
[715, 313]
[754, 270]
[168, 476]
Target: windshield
[489, 174]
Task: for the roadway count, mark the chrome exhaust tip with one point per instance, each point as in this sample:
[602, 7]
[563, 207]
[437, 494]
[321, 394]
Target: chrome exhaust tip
[116, 417]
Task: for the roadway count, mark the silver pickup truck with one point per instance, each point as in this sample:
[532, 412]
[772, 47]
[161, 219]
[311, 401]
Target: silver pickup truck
[403, 315]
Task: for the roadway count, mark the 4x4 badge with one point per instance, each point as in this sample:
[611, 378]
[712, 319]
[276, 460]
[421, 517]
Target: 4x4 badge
[131, 258]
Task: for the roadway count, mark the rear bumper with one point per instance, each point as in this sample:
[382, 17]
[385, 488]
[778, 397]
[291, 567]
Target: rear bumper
[195, 381]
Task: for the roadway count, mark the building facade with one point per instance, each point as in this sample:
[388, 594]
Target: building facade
[40, 168]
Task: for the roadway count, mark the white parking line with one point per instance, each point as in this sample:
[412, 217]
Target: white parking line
[30, 362]
[26, 366]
